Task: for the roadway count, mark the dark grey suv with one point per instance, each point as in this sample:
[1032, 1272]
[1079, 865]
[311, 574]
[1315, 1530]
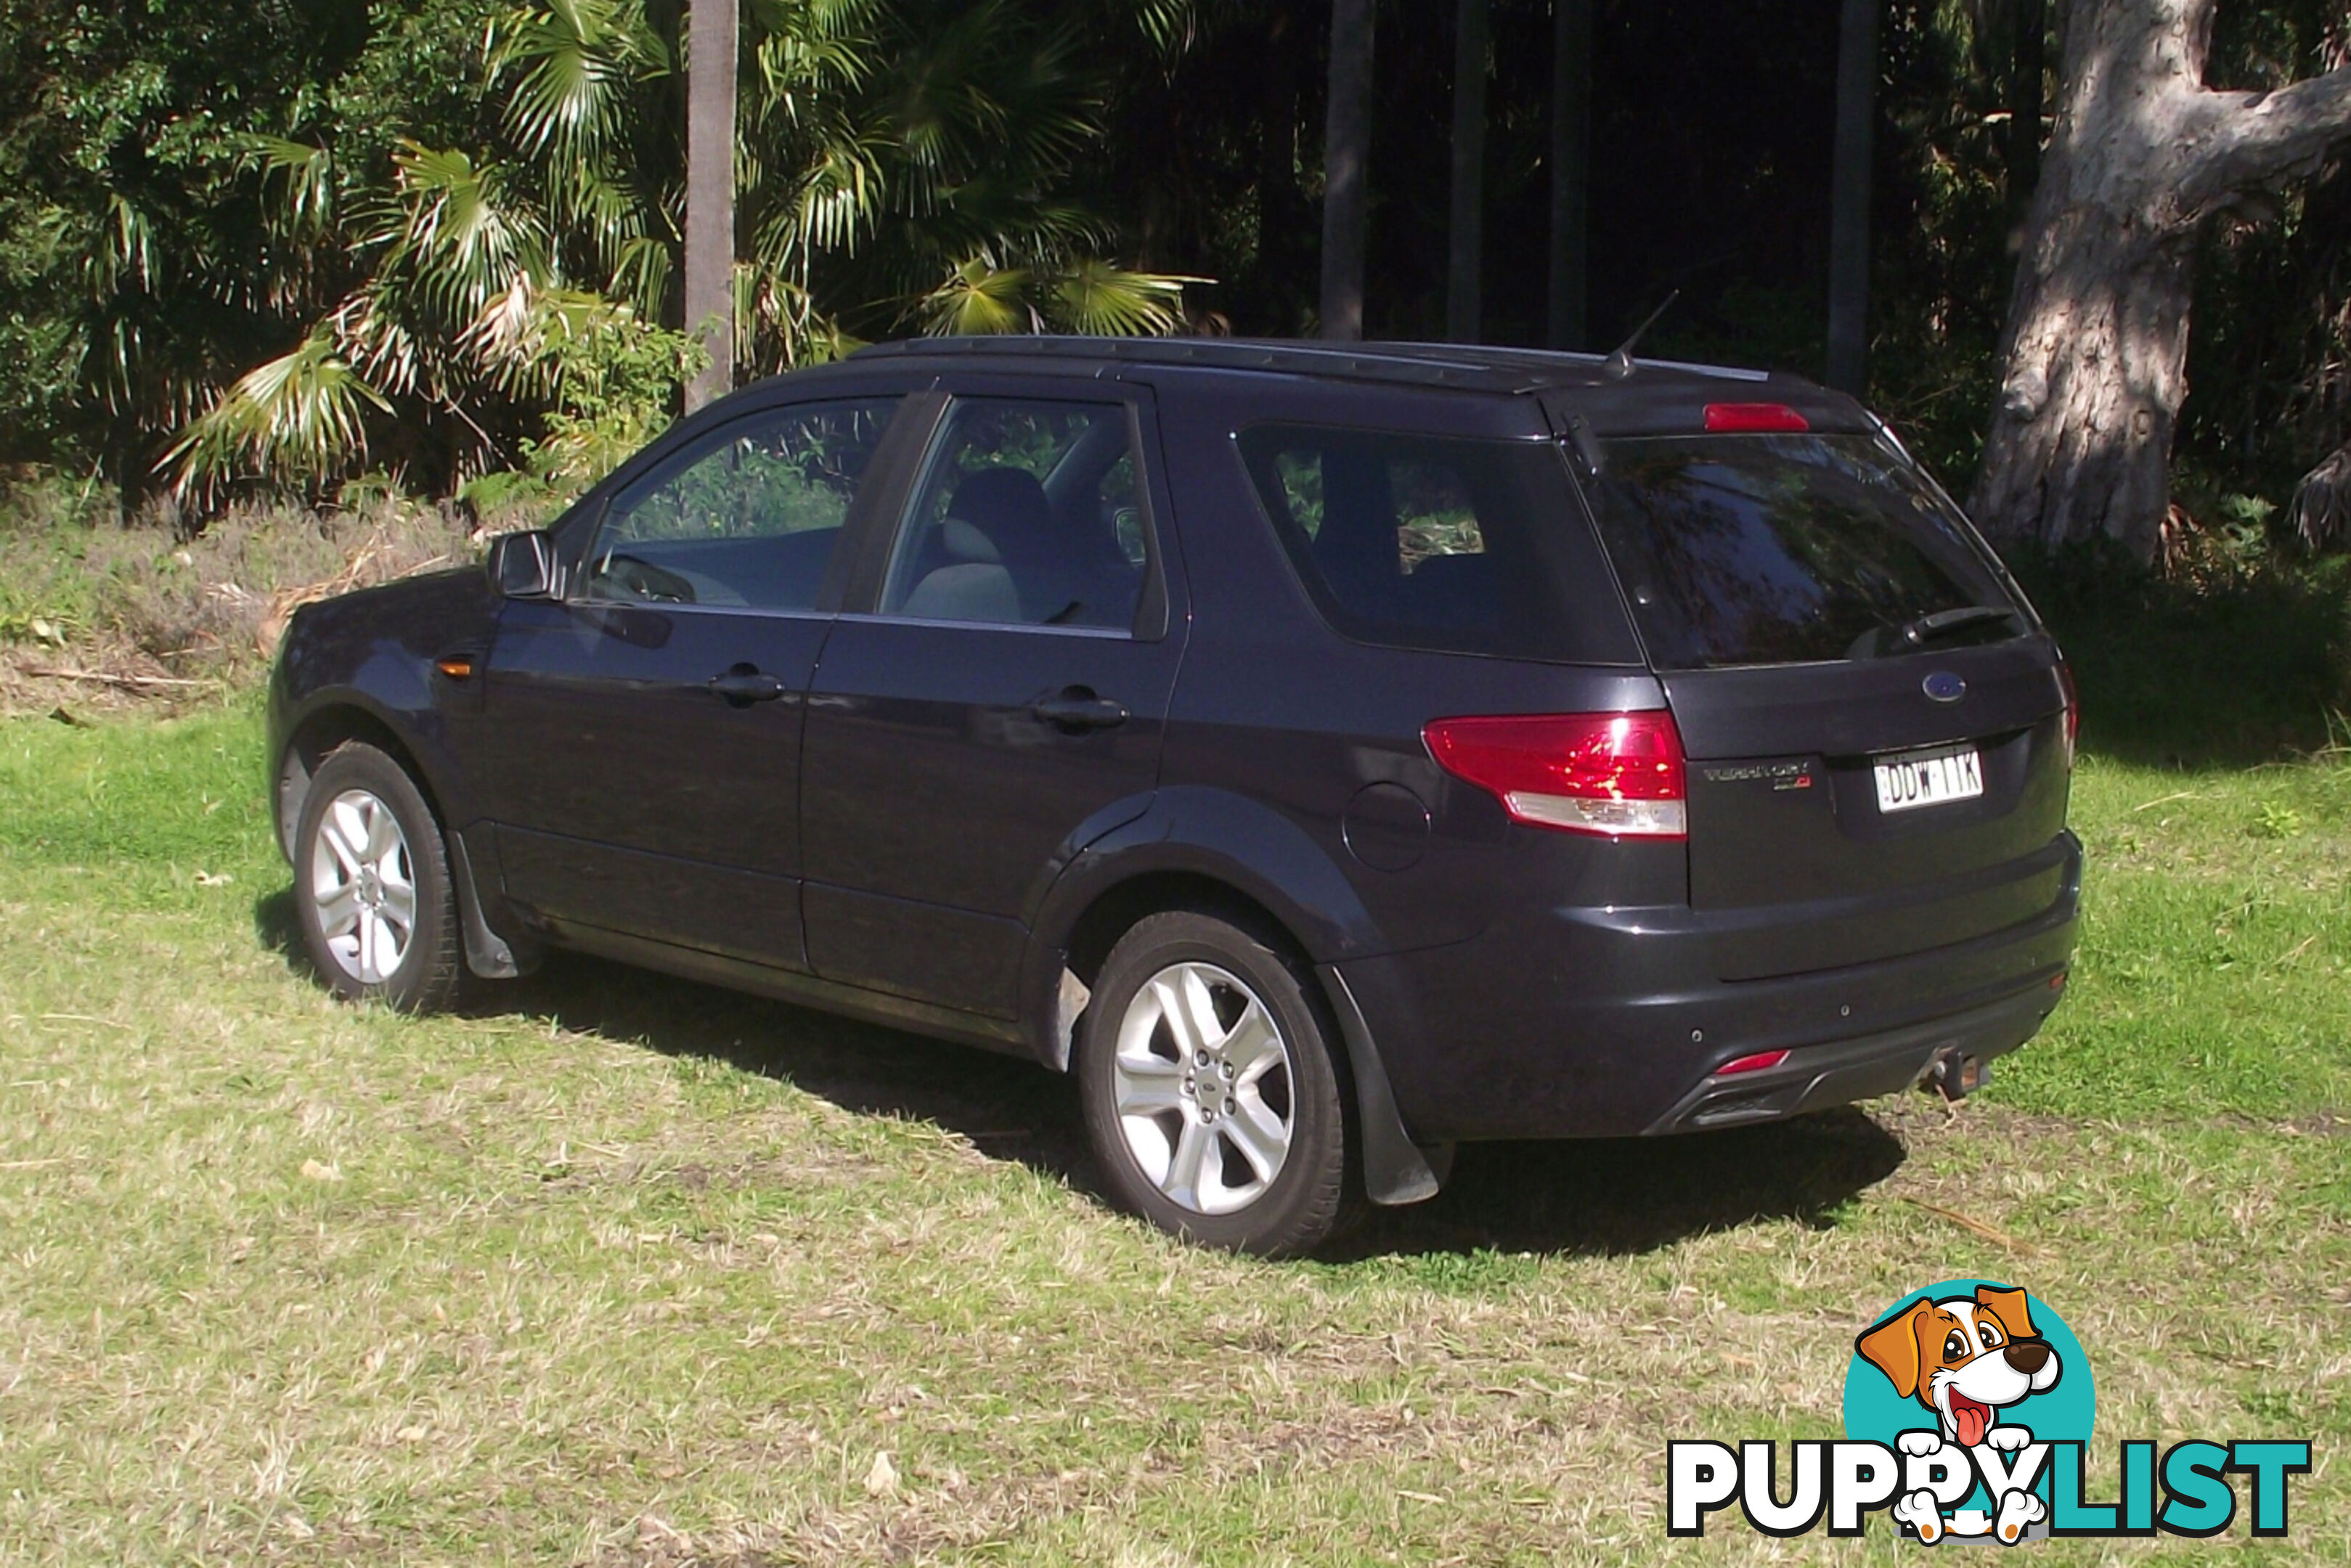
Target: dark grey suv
[1328, 754]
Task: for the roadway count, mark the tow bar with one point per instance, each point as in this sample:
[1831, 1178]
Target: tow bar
[1955, 1075]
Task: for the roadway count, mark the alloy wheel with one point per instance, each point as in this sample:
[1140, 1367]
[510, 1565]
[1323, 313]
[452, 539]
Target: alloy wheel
[363, 883]
[1204, 1091]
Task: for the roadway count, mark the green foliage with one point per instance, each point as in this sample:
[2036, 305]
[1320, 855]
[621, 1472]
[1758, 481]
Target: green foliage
[613, 378]
[345, 206]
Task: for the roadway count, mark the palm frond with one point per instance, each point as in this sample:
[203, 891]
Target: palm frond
[300, 180]
[457, 235]
[574, 63]
[978, 296]
[1097, 298]
[298, 417]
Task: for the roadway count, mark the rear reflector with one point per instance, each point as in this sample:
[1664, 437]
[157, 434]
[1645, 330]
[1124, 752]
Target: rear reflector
[1735, 418]
[1615, 774]
[1760, 1061]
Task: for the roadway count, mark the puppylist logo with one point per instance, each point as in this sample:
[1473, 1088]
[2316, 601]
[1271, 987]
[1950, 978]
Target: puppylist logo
[1967, 1412]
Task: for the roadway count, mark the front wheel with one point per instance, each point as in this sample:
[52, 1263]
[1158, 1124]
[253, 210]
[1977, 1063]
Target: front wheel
[1212, 1099]
[371, 885]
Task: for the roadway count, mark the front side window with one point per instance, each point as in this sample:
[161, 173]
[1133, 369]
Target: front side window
[1027, 515]
[747, 519]
[1444, 543]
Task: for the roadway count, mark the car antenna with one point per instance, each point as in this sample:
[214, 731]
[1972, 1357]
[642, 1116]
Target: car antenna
[1619, 365]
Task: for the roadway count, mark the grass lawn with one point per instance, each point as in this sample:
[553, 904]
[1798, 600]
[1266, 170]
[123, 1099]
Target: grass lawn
[621, 1269]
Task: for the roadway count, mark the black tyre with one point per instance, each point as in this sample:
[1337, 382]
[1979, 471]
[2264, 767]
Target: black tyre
[1213, 1097]
[371, 885]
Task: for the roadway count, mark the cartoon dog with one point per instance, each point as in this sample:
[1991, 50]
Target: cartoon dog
[1965, 1358]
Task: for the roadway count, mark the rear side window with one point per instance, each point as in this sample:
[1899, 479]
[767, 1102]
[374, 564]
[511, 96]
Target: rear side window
[1450, 544]
[1777, 549]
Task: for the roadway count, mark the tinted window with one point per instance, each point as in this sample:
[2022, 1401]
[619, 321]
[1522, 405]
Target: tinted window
[1429, 542]
[749, 518]
[1025, 516]
[1771, 550]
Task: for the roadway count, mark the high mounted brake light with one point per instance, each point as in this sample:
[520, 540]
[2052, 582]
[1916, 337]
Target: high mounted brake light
[1619, 775]
[1742, 418]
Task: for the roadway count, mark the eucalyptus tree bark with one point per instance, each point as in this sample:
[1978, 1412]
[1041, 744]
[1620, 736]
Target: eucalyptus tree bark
[1466, 256]
[1849, 183]
[1571, 182]
[2095, 351]
[1346, 168]
[710, 60]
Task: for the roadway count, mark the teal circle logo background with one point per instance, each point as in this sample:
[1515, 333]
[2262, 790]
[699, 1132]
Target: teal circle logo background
[1875, 1412]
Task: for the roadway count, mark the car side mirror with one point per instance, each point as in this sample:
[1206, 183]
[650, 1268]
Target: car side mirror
[523, 566]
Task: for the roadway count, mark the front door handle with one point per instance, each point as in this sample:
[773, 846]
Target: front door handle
[1078, 709]
[745, 685]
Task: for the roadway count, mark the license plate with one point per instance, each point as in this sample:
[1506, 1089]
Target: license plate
[1929, 778]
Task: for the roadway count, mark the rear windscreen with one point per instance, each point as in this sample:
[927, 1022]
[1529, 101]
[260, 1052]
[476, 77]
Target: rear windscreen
[1444, 543]
[1778, 550]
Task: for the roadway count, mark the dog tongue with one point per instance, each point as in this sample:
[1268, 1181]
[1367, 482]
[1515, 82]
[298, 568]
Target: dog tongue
[1971, 1418]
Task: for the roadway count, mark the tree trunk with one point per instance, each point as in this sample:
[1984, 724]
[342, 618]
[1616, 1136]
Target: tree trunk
[1465, 260]
[710, 57]
[1570, 144]
[1346, 162]
[1849, 183]
[2095, 351]
[2029, 63]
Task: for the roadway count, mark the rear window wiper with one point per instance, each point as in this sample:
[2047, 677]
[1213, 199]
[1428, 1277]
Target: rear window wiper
[1943, 623]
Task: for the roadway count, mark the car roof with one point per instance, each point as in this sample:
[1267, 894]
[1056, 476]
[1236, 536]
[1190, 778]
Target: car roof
[1657, 395]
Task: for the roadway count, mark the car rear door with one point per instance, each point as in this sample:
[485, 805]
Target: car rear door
[993, 697]
[644, 734]
[1877, 735]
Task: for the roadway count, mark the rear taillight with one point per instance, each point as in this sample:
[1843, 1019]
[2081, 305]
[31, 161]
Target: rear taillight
[2073, 711]
[1618, 774]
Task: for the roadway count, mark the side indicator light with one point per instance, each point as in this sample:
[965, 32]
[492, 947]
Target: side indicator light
[456, 666]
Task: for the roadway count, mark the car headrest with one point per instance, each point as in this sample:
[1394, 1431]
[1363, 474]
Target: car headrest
[963, 542]
[1007, 505]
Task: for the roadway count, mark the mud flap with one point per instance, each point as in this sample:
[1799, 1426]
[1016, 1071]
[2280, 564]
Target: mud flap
[1395, 1169]
[487, 953]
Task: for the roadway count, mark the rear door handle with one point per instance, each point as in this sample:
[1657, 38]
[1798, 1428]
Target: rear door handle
[1078, 709]
[745, 685]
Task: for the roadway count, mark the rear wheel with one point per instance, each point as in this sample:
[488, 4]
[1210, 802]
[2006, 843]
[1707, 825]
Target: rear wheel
[371, 885]
[1212, 1098]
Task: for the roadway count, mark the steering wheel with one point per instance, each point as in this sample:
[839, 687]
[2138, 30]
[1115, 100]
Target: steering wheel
[642, 579]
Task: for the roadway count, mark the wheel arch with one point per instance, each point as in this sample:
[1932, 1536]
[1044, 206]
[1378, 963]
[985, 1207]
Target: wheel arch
[1164, 861]
[325, 726]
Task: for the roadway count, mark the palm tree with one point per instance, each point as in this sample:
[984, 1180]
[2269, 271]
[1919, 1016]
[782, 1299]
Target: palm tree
[1849, 181]
[1466, 256]
[710, 63]
[895, 167]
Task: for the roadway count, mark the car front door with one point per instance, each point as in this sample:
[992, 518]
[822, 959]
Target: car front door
[646, 731]
[994, 694]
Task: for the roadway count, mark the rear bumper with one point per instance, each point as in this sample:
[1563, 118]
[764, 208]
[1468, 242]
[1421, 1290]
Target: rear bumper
[1574, 1022]
[1815, 1077]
